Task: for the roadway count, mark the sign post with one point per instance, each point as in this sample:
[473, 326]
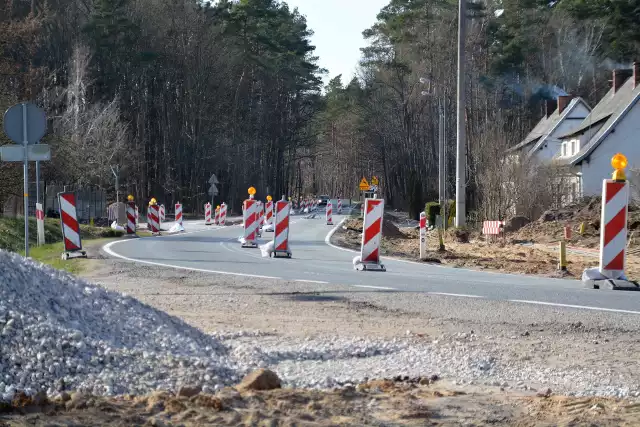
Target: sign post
[364, 187]
[24, 124]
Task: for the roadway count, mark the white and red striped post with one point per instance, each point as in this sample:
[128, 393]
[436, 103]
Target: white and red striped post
[339, 209]
[207, 214]
[179, 213]
[261, 212]
[137, 217]
[153, 216]
[223, 214]
[613, 235]
[161, 216]
[423, 235]
[329, 213]
[40, 223]
[371, 236]
[281, 234]
[269, 211]
[70, 224]
[216, 216]
[131, 217]
[250, 216]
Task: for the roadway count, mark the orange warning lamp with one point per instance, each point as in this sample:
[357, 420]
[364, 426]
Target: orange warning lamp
[269, 198]
[218, 207]
[619, 163]
[153, 201]
[130, 198]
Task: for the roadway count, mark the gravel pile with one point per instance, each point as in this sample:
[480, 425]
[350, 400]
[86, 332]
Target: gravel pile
[60, 333]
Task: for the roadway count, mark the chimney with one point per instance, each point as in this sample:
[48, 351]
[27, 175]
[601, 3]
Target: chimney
[619, 77]
[636, 74]
[563, 101]
[549, 107]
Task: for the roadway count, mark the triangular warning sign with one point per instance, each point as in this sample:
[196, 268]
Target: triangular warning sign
[364, 185]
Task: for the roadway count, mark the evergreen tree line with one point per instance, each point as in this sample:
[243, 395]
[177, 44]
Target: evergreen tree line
[385, 123]
[170, 91]
[173, 91]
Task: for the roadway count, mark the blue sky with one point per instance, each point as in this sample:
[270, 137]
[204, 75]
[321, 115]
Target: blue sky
[338, 26]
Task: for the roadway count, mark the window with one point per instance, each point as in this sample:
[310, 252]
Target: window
[573, 147]
[564, 149]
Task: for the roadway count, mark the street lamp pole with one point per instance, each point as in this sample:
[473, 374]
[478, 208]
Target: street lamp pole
[461, 146]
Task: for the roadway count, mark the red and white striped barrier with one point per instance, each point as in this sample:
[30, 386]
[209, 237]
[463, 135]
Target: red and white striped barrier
[40, 223]
[269, 212]
[223, 214]
[370, 249]
[423, 235]
[339, 209]
[261, 213]
[178, 213]
[70, 225]
[613, 237]
[161, 217]
[281, 234]
[250, 216]
[207, 214]
[153, 216]
[216, 217]
[492, 228]
[137, 217]
[131, 217]
[329, 213]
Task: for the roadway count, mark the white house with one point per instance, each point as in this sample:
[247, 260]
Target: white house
[543, 142]
[612, 127]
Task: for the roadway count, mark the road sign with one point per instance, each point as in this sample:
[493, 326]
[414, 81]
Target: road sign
[15, 153]
[25, 118]
[373, 188]
[25, 124]
[374, 181]
[364, 185]
[213, 180]
[213, 190]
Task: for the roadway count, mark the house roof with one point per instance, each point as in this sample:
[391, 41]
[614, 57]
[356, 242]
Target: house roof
[610, 110]
[546, 126]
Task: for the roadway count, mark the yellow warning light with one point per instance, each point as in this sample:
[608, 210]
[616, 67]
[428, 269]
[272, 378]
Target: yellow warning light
[218, 207]
[130, 198]
[251, 191]
[153, 201]
[619, 163]
[269, 198]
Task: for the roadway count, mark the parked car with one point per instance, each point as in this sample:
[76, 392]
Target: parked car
[322, 200]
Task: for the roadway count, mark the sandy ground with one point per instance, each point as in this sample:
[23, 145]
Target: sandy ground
[501, 254]
[377, 403]
[546, 337]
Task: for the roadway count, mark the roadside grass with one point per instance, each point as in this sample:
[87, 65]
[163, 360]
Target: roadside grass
[12, 239]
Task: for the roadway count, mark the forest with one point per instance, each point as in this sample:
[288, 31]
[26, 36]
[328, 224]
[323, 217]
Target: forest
[173, 91]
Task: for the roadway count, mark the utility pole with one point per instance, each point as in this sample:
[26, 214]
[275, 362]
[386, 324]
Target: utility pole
[442, 174]
[461, 146]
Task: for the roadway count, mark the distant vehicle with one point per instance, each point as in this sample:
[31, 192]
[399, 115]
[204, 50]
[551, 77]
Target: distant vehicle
[322, 200]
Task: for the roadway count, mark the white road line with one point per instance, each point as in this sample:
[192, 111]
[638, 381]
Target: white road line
[107, 249]
[455, 295]
[312, 281]
[584, 307]
[374, 287]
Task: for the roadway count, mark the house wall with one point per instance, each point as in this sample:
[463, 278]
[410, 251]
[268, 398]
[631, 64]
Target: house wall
[551, 147]
[623, 140]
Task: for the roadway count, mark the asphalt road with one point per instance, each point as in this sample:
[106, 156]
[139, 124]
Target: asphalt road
[217, 250]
